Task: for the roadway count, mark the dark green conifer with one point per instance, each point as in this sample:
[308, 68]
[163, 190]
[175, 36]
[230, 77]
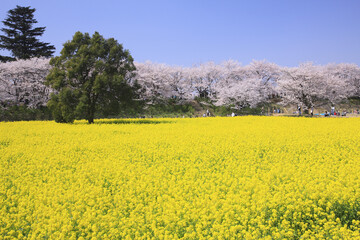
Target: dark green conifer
[20, 38]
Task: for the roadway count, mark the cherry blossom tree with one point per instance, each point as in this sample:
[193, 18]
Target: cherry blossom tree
[303, 85]
[22, 82]
[309, 85]
[154, 79]
[231, 84]
[341, 81]
[241, 93]
[161, 81]
[202, 79]
[248, 85]
[267, 74]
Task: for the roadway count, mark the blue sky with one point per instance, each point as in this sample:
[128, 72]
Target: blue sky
[187, 32]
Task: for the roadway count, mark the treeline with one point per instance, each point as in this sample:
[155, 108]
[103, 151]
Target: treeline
[229, 83]
[97, 77]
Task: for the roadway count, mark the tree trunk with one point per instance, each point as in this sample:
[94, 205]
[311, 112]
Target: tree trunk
[91, 112]
[91, 115]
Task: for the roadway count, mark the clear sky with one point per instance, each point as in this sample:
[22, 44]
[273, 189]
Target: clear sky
[187, 32]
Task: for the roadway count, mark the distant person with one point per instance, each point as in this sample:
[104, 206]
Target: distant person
[299, 110]
[312, 111]
[233, 114]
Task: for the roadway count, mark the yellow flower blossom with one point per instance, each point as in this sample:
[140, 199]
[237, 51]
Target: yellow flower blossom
[209, 178]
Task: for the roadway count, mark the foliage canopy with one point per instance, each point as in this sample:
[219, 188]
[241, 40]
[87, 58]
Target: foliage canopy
[92, 73]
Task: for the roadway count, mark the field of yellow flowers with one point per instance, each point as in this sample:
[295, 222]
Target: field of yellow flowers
[206, 178]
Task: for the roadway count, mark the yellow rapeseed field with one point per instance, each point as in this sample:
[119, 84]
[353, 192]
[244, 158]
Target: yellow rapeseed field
[208, 178]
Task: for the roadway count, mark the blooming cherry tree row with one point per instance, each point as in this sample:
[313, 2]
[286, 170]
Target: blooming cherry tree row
[231, 83]
[22, 82]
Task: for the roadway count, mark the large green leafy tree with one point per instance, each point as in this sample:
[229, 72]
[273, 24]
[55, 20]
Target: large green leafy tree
[91, 74]
[20, 38]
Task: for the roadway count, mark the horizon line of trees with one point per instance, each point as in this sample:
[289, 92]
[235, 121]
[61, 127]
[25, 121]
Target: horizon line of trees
[22, 82]
[94, 74]
[231, 83]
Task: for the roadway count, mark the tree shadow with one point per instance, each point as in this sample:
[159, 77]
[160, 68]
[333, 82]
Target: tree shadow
[126, 121]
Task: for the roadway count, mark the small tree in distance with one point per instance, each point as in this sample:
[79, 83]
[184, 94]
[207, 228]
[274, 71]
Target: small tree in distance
[20, 37]
[90, 75]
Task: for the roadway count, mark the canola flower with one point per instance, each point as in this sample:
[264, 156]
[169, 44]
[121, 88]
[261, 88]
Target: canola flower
[208, 178]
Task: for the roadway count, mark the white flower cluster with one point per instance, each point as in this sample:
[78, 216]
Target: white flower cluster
[232, 83]
[22, 82]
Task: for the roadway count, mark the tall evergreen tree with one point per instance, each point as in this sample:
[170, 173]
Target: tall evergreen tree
[20, 38]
